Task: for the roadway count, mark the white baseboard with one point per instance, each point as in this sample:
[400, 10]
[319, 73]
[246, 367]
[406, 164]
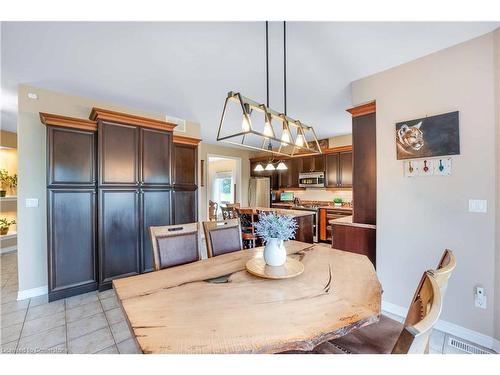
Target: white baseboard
[34, 292]
[451, 328]
[9, 249]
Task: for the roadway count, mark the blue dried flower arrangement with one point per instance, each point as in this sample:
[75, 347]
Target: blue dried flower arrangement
[281, 227]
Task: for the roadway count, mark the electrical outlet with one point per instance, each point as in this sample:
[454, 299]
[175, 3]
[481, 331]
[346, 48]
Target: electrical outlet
[479, 297]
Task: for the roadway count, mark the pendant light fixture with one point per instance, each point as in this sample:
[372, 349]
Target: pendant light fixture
[253, 125]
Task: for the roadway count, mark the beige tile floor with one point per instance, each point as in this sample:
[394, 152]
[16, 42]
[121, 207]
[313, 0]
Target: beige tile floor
[88, 323]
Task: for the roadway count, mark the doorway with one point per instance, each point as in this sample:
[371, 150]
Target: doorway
[224, 182]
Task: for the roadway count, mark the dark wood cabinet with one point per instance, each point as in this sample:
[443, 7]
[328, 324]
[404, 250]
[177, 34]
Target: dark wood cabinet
[71, 157]
[156, 148]
[339, 169]
[332, 170]
[355, 240]
[118, 154]
[365, 169]
[155, 212]
[345, 169]
[71, 242]
[184, 206]
[312, 163]
[109, 179]
[119, 234]
[185, 162]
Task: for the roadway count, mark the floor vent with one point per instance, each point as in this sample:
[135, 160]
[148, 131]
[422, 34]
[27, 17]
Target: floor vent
[466, 346]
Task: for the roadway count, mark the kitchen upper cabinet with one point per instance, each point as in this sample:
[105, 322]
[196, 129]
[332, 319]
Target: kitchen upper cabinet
[184, 206]
[71, 157]
[185, 162]
[156, 155]
[345, 169]
[119, 234]
[339, 169]
[312, 164]
[71, 242]
[332, 170]
[155, 212]
[118, 154]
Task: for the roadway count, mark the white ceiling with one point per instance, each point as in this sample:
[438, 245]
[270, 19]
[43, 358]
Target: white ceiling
[186, 69]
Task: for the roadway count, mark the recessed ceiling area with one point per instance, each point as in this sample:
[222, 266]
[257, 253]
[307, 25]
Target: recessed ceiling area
[185, 69]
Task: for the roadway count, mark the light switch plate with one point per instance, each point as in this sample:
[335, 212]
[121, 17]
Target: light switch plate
[31, 202]
[478, 205]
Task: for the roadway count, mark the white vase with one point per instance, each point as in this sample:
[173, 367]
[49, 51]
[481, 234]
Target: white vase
[274, 252]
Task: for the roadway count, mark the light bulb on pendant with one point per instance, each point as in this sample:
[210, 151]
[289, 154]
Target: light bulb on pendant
[268, 130]
[300, 140]
[270, 167]
[245, 124]
[285, 137]
[281, 166]
[259, 168]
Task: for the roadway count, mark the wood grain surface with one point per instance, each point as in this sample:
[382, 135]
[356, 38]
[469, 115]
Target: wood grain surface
[182, 310]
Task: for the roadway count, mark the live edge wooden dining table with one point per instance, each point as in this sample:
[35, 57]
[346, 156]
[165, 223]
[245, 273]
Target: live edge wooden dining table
[194, 309]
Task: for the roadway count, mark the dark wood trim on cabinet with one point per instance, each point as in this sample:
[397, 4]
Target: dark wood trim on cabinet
[363, 109]
[67, 122]
[126, 118]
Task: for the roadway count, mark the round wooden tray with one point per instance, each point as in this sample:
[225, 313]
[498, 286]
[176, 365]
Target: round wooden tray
[291, 268]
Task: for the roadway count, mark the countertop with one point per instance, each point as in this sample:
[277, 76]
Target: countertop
[347, 220]
[283, 211]
[325, 206]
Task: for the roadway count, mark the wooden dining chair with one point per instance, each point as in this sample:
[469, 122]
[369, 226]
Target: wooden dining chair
[222, 236]
[233, 205]
[174, 245]
[213, 207]
[247, 219]
[389, 336]
[445, 268]
[228, 213]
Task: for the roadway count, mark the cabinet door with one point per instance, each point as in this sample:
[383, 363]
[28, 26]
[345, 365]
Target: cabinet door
[156, 149]
[118, 234]
[332, 170]
[185, 161]
[155, 212]
[294, 170]
[118, 154]
[71, 157]
[345, 169]
[319, 163]
[185, 206]
[71, 242]
[307, 164]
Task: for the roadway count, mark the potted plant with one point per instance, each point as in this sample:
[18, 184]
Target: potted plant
[337, 202]
[7, 181]
[5, 224]
[274, 229]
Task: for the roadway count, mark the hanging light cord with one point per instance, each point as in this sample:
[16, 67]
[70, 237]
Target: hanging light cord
[267, 64]
[284, 65]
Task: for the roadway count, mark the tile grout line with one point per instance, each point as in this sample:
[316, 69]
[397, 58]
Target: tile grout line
[109, 326]
[22, 327]
[66, 326]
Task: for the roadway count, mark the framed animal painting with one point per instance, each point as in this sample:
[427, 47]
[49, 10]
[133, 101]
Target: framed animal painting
[428, 137]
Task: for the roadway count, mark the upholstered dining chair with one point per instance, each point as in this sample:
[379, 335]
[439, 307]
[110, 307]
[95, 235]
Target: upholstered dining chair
[389, 336]
[174, 245]
[222, 236]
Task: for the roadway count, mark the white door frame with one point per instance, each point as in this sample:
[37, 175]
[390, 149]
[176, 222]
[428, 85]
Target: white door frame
[238, 176]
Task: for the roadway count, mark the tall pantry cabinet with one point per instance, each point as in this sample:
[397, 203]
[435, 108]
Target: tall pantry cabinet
[109, 180]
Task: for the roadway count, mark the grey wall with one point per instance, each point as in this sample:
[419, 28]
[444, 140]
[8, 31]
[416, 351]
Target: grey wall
[417, 218]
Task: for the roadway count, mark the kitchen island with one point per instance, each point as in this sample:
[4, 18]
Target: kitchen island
[304, 221]
[358, 238]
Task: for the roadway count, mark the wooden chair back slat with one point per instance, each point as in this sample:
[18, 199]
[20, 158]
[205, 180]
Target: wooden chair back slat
[444, 270]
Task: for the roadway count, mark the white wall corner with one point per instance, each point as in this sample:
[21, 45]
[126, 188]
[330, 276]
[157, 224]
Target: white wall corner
[451, 328]
[34, 292]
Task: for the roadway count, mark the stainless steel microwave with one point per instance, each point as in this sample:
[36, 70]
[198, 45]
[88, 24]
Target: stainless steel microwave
[312, 179]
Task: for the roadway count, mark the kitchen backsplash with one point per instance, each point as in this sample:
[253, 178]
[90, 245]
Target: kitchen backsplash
[323, 195]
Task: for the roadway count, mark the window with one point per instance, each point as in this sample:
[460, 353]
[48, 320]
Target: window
[224, 187]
